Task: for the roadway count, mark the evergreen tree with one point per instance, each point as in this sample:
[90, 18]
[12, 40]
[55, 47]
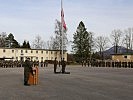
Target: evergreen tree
[15, 44]
[82, 43]
[25, 44]
[28, 44]
[11, 42]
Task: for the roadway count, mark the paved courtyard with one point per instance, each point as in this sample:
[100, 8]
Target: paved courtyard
[84, 83]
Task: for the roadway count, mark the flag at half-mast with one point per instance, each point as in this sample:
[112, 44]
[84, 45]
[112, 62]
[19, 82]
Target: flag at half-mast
[62, 19]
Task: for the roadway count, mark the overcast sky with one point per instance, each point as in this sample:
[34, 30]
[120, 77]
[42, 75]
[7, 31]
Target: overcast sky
[27, 18]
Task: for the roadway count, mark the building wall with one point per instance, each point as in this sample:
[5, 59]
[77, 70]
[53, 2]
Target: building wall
[122, 58]
[34, 54]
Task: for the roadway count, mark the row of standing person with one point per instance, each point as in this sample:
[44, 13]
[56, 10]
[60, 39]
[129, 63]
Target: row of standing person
[10, 63]
[108, 64]
[18, 63]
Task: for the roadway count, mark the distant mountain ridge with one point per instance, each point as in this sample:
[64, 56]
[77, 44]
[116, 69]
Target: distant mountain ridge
[121, 50]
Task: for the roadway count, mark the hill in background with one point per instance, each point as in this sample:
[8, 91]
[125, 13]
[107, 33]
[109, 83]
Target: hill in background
[121, 50]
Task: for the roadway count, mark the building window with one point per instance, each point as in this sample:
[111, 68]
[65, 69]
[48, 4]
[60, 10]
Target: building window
[41, 58]
[42, 52]
[31, 58]
[16, 58]
[26, 51]
[125, 57]
[36, 58]
[36, 51]
[31, 51]
[12, 57]
[12, 51]
[46, 52]
[21, 51]
[51, 58]
[51, 52]
[4, 50]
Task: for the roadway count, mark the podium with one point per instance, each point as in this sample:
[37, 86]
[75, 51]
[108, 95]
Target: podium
[33, 77]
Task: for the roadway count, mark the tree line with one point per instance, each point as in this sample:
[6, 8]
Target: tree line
[84, 45]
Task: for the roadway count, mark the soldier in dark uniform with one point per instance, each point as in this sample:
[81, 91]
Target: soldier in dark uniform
[55, 65]
[131, 64]
[41, 63]
[82, 63]
[59, 63]
[27, 70]
[46, 63]
[63, 65]
[0, 63]
[88, 63]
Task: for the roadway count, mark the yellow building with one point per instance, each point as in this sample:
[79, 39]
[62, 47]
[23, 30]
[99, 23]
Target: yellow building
[33, 54]
[122, 57]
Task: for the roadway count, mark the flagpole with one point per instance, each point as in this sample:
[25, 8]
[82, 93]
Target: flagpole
[62, 29]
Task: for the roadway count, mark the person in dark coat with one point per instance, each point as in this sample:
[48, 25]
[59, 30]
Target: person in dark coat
[27, 71]
[63, 65]
[55, 65]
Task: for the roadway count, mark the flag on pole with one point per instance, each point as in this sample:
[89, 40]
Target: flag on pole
[62, 18]
[63, 25]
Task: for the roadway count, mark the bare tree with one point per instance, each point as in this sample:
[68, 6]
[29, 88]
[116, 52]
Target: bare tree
[128, 38]
[3, 36]
[50, 44]
[38, 43]
[116, 38]
[57, 40]
[101, 43]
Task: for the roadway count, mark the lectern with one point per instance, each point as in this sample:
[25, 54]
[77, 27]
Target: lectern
[33, 77]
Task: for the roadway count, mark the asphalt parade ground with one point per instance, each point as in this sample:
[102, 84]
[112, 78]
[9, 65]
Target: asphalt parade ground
[84, 83]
